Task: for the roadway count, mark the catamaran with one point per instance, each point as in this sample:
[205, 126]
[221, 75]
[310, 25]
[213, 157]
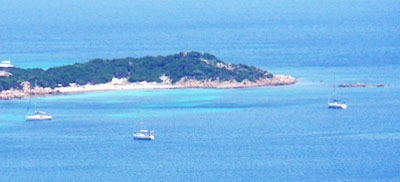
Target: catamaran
[144, 135]
[39, 116]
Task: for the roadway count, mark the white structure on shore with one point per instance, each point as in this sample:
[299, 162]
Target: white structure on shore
[5, 64]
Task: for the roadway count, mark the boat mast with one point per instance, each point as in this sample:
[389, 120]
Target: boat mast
[334, 86]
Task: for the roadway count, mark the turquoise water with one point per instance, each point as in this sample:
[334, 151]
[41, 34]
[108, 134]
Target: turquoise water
[258, 134]
[279, 133]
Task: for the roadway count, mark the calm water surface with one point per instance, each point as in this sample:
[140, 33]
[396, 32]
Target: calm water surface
[281, 133]
[258, 134]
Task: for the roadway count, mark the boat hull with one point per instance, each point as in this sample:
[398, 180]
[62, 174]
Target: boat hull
[337, 105]
[38, 118]
[144, 138]
[144, 135]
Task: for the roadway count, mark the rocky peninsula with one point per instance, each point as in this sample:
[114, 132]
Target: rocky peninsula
[178, 71]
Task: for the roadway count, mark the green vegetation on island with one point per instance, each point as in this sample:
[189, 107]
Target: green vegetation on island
[191, 65]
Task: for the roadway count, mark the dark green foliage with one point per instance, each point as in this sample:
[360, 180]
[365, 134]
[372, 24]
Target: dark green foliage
[193, 65]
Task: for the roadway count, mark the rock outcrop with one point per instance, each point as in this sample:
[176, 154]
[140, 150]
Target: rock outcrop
[277, 80]
[361, 85]
[27, 91]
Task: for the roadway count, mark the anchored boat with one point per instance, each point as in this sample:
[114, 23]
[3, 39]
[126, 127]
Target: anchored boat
[39, 116]
[337, 104]
[144, 135]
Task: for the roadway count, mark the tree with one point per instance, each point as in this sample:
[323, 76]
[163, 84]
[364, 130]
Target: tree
[190, 65]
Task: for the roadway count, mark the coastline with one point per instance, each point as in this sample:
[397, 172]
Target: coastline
[123, 84]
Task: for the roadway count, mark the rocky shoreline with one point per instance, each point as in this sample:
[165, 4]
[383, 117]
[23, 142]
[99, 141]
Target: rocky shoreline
[360, 85]
[123, 84]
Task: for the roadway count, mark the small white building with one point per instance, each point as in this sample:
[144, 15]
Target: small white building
[6, 64]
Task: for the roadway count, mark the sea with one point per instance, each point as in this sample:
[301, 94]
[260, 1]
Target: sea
[283, 133]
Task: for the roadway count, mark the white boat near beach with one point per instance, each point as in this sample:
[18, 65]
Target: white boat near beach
[144, 135]
[39, 116]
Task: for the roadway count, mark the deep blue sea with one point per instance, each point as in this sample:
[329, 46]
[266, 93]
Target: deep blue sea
[282, 133]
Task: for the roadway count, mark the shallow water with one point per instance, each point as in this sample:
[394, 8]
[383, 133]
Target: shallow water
[259, 134]
[281, 133]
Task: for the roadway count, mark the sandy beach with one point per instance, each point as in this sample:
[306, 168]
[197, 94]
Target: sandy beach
[123, 84]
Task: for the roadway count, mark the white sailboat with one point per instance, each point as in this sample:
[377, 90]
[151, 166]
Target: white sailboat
[37, 115]
[335, 103]
[144, 135]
